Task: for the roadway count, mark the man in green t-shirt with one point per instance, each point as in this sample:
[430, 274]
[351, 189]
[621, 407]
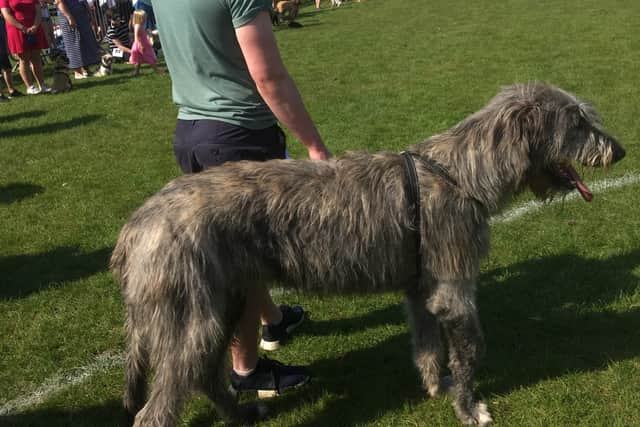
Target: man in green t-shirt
[231, 88]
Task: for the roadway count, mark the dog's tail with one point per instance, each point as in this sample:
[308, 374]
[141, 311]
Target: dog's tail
[177, 320]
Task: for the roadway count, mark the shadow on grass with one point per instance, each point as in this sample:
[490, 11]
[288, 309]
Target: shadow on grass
[359, 386]
[106, 415]
[24, 274]
[118, 78]
[18, 191]
[23, 115]
[390, 315]
[362, 385]
[310, 13]
[49, 127]
[296, 26]
[549, 318]
[538, 324]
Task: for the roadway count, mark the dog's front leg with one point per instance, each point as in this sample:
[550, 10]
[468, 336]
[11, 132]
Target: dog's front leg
[427, 345]
[455, 308]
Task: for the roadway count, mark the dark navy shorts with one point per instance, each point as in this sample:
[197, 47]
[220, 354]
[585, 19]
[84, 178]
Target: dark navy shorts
[201, 144]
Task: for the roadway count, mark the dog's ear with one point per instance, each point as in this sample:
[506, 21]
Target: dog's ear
[569, 116]
[530, 118]
[521, 122]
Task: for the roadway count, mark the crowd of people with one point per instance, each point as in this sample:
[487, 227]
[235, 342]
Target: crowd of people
[33, 31]
[27, 34]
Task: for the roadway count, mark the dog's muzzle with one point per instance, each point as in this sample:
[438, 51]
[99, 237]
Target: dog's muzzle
[618, 153]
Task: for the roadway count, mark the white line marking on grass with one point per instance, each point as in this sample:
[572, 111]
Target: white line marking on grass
[59, 382]
[597, 187]
[107, 361]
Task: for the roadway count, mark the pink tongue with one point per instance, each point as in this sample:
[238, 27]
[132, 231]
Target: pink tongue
[584, 191]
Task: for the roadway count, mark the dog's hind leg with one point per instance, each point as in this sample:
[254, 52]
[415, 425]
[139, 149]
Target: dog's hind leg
[169, 340]
[427, 346]
[455, 308]
[136, 366]
[213, 382]
[167, 394]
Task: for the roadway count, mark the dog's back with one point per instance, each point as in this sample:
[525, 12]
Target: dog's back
[267, 215]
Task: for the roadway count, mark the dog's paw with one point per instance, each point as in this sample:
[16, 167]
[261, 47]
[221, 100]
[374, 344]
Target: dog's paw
[478, 415]
[481, 414]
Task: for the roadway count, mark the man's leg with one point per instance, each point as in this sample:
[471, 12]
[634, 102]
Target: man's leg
[194, 145]
[265, 376]
[244, 347]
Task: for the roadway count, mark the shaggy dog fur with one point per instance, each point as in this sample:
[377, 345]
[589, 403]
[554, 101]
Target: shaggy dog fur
[187, 257]
[61, 81]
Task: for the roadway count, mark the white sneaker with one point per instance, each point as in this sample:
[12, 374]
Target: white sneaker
[33, 90]
[45, 88]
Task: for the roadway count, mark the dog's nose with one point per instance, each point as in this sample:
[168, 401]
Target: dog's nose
[618, 153]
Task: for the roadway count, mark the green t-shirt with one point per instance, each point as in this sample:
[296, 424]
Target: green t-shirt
[209, 75]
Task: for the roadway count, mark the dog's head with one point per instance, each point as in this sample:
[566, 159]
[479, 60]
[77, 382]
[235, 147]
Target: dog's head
[107, 60]
[560, 131]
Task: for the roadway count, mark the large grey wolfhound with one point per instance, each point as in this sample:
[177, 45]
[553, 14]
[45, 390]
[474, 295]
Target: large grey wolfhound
[415, 221]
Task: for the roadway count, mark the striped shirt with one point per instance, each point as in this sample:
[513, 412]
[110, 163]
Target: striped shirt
[119, 32]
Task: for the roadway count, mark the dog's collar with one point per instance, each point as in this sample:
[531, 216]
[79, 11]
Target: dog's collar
[413, 192]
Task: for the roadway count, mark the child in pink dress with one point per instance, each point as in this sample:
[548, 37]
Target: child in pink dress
[142, 50]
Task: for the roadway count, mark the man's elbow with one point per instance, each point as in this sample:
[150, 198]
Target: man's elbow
[270, 82]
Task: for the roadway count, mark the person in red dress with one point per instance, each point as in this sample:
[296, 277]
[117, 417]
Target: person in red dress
[26, 38]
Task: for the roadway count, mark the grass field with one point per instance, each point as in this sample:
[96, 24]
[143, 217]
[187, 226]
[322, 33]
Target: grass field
[559, 294]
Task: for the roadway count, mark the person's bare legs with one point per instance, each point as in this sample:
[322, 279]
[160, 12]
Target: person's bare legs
[157, 69]
[317, 4]
[259, 309]
[81, 73]
[36, 66]
[6, 75]
[25, 69]
[270, 314]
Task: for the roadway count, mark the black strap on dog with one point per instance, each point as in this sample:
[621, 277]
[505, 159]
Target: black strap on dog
[413, 192]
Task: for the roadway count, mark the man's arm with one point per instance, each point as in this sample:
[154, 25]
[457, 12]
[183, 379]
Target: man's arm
[275, 85]
[120, 46]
